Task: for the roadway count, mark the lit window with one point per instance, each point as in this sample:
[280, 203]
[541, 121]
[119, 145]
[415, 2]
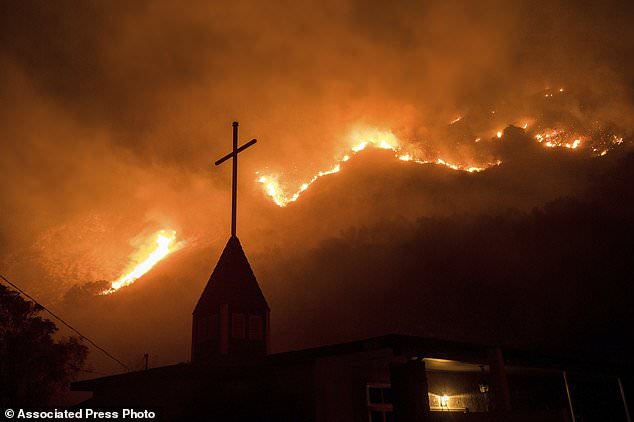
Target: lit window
[255, 327]
[238, 326]
[449, 403]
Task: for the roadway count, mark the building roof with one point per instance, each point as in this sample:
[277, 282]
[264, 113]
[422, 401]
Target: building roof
[232, 281]
[401, 345]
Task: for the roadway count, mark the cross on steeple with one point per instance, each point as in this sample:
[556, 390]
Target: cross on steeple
[234, 182]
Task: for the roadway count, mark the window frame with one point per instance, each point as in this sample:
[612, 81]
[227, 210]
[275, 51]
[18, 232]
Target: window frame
[378, 407]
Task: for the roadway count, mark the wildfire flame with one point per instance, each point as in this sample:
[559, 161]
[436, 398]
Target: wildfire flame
[363, 138]
[557, 138]
[162, 246]
[359, 139]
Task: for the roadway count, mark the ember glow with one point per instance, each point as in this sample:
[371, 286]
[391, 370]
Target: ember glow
[456, 120]
[162, 245]
[359, 140]
[558, 138]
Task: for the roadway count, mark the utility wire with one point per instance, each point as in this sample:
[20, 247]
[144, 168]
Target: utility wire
[88, 371]
[81, 336]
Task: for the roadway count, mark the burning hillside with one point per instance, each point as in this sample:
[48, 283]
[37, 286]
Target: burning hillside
[154, 250]
[476, 136]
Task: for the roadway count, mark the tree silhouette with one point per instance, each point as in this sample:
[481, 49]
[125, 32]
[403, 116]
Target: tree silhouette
[33, 365]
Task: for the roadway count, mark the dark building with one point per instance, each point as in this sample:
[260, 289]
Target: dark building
[231, 318]
[232, 377]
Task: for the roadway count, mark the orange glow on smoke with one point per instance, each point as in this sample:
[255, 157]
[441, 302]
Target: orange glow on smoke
[152, 253]
[358, 140]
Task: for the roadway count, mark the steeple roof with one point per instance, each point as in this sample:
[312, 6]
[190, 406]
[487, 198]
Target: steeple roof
[232, 281]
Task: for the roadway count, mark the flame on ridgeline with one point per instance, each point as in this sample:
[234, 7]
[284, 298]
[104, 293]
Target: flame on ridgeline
[359, 139]
[161, 246]
[597, 143]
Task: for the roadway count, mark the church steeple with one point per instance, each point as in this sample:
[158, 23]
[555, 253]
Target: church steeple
[231, 317]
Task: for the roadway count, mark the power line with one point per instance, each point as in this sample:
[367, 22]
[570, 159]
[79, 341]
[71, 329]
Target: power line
[81, 336]
[88, 371]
